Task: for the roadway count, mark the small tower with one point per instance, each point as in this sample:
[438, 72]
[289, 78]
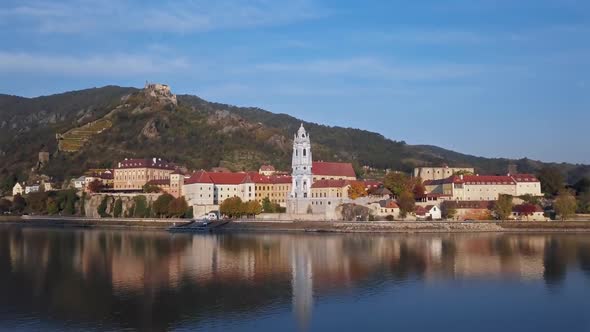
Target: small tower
[301, 165]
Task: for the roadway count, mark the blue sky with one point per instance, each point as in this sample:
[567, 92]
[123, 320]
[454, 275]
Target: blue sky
[500, 78]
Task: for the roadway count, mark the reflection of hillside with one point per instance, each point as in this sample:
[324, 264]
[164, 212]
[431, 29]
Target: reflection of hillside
[152, 279]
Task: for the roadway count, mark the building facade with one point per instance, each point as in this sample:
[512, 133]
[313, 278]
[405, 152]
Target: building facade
[440, 173]
[483, 187]
[133, 174]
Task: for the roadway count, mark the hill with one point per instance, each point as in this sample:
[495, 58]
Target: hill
[96, 127]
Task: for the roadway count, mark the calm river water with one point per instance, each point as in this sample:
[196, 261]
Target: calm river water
[110, 280]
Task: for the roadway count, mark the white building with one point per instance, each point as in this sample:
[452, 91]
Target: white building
[32, 188]
[18, 189]
[80, 183]
[439, 173]
[299, 201]
[483, 187]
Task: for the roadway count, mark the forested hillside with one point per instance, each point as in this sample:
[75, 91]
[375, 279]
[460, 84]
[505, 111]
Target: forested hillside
[198, 134]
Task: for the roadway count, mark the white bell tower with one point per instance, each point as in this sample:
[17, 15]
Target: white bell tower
[301, 165]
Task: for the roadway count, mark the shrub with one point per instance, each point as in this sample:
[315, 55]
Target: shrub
[118, 209]
[389, 217]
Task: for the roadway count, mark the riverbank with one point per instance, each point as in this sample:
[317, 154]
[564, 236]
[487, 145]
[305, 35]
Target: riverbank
[310, 226]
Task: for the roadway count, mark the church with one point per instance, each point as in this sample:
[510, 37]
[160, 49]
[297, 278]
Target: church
[317, 188]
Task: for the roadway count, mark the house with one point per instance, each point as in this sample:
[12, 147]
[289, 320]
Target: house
[483, 187]
[133, 174]
[439, 173]
[80, 183]
[528, 212]
[469, 210]
[388, 207]
[332, 171]
[428, 212]
[380, 193]
[18, 189]
[205, 191]
[32, 188]
[267, 170]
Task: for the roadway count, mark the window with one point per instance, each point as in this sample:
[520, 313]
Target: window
[304, 152]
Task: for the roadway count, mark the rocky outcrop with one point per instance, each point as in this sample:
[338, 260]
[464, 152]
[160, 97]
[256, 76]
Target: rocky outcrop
[92, 202]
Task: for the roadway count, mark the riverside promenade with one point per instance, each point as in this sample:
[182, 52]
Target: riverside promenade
[310, 226]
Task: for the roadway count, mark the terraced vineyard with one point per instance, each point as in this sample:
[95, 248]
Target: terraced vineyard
[74, 139]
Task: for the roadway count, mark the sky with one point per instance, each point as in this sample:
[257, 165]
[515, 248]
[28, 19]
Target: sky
[493, 78]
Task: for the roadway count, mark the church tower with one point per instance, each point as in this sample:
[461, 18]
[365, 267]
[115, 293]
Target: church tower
[301, 165]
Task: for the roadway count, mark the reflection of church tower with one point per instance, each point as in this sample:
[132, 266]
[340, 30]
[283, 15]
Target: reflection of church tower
[301, 165]
[302, 285]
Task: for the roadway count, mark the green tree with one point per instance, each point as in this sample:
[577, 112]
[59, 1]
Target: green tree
[5, 205]
[551, 181]
[503, 207]
[102, 207]
[448, 210]
[151, 188]
[18, 204]
[118, 209]
[52, 206]
[267, 206]
[161, 205]
[178, 207]
[565, 204]
[406, 203]
[37, 202]
[584, 202]
[140, 207]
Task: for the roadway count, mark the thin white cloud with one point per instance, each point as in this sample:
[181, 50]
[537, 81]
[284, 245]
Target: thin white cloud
[181, 16]
[376, 68]
[116, 65]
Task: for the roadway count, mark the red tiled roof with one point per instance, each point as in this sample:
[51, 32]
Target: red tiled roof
[481, 180]
[267, 168]
[420, 211]
[372, 183]
[434, 182]
[199, 177]
[329, 184]
[146, 163]
[321, 168]
[524, 178]
[389, 204]
[230, 178]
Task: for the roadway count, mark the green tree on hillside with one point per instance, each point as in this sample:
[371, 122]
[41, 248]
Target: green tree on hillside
[398, 183]
[552, 181]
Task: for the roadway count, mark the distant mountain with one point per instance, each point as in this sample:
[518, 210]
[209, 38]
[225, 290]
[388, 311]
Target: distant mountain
[103, 125]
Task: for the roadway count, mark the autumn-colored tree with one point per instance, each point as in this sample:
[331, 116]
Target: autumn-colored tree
[565, 204]
[398, 183]
[419, 189]
[95, 186]
[231, 207]
[526, 210]
[503, 207]
[357, 189]
[178, 207]
[251, 208]
[406, 203]
[161, 205]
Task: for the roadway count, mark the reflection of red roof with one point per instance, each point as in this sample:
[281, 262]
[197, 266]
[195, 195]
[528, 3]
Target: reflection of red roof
[321, 168]
[329, 184]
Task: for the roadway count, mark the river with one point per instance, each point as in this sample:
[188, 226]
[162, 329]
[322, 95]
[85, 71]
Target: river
[111, 280]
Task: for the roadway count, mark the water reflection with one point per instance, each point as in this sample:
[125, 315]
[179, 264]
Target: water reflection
[154, 281]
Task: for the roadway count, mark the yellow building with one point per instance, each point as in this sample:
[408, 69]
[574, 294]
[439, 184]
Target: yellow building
[133, 174]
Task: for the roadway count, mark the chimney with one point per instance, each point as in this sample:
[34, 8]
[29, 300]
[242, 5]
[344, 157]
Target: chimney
[461, 176]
